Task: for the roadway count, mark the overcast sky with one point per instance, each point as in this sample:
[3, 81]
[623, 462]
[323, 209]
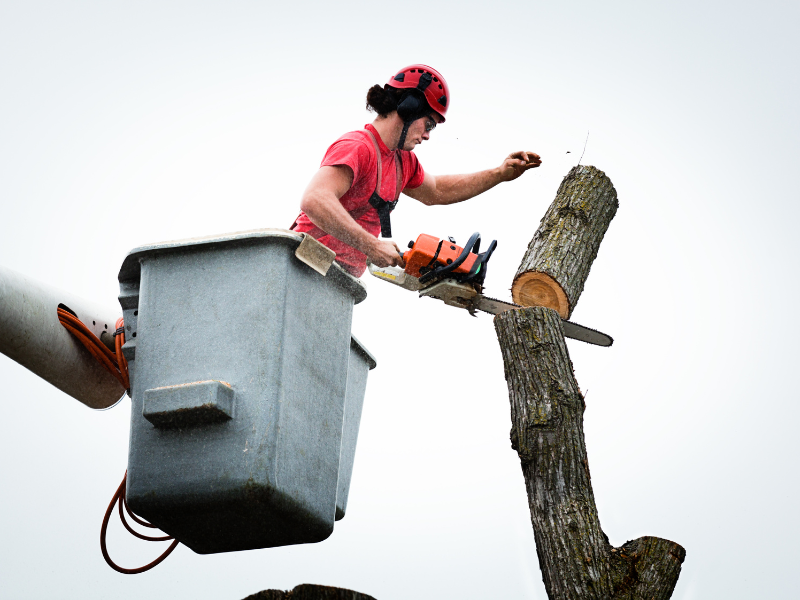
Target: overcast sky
[124, 124]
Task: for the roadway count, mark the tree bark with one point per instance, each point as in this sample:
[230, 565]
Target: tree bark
[575, 556]
[558, 259]
[308, 591]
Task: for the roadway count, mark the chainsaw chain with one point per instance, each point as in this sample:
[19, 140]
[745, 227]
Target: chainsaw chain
[494, 300]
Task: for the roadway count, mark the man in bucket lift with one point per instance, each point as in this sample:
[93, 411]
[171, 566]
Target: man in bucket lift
[349, 200]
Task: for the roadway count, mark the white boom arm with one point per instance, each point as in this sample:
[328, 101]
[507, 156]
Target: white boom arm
[31, 334]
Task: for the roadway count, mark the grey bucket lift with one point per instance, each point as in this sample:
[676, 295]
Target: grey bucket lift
[246, 386]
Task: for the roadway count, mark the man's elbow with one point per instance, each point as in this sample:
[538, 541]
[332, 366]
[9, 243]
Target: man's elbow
[428, 199]
[436, 200]
[309, 204]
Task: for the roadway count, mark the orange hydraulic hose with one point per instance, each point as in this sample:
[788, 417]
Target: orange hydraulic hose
[122, 362]
[114, 363]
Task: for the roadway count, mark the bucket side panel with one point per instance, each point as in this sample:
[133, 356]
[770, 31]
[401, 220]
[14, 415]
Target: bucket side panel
[354, 402]
[215, 314]
[314, 367]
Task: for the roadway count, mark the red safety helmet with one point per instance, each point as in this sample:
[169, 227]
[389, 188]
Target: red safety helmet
[428, 81]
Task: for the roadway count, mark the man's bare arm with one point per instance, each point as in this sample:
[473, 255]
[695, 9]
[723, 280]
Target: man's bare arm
[321, 203]
[449, 189]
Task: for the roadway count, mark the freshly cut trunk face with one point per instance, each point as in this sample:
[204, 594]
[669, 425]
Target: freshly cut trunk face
[566, 242]
[539, 289]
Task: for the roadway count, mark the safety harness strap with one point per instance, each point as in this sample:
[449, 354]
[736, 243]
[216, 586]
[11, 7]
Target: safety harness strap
[385, 207]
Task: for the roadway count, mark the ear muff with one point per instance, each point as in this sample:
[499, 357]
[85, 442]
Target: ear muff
[411, 106]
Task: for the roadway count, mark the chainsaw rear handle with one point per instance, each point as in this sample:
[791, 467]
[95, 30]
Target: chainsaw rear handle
[474, 241]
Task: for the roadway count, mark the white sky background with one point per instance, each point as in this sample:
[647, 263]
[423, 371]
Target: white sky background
[122, 125]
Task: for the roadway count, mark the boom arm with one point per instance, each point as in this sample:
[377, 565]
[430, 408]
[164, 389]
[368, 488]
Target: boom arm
[31, 334]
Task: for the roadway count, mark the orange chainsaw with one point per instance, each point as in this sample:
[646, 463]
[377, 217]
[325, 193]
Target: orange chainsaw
[442, 269]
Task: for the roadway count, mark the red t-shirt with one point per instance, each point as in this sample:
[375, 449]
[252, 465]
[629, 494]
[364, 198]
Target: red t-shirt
[355, 150]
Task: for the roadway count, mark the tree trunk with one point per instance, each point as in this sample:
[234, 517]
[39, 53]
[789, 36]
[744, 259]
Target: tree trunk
[575, 557]
[555, 266]
[308, 591]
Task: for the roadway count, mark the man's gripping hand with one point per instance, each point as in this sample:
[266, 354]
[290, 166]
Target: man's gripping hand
[517, 163]
[385, 254]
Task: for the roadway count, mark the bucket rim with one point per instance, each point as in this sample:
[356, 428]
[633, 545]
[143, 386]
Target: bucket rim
[131, 265]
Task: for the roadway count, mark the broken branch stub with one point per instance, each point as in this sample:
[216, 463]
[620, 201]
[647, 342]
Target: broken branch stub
[558, 259]
[576, 559]
[310, 591]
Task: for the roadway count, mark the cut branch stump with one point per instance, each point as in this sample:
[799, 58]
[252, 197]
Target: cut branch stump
[558, 259]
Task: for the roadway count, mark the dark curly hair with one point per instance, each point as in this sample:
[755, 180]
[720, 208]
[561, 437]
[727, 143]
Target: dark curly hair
[382, 99]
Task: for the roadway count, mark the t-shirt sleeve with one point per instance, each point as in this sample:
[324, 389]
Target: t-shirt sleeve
[353, 153]
[417, 173]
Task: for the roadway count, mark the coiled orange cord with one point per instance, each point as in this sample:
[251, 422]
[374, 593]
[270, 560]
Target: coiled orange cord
[119, 499]
[114, 363]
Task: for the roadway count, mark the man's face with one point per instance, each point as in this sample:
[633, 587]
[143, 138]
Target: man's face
[421, 130]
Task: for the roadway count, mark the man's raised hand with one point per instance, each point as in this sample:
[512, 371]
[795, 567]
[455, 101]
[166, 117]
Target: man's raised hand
[517, 163]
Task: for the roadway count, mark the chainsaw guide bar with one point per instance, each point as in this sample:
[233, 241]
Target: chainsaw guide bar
[439, 269]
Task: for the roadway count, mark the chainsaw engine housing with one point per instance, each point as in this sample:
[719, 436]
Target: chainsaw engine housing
[431, 259]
